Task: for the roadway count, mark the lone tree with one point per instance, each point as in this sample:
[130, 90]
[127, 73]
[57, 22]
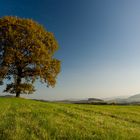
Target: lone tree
[26, 54]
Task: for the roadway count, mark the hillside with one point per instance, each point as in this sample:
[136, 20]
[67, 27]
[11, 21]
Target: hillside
[81, 101]
[23, 119]
[135, 96]
[135, 99]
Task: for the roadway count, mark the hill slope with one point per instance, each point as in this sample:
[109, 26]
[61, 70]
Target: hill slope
[22, 119]
[135, 96]
[135, 99]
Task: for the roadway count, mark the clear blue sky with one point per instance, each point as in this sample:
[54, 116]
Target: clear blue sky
[99, 44]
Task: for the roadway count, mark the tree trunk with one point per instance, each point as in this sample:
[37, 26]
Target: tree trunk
[18, 94]
[17, 90]
[18, 82]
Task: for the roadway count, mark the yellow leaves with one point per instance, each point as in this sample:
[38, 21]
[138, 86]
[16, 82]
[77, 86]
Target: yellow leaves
[28, 46]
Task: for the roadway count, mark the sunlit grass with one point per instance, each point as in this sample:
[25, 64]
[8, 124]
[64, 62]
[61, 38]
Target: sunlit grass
[22, 119]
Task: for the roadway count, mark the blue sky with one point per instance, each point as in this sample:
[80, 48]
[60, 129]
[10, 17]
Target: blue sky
[99, 44]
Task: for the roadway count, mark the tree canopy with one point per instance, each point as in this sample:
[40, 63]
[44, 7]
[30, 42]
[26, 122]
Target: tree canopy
[26, 54]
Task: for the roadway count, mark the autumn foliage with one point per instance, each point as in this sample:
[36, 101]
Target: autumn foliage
[26, 54]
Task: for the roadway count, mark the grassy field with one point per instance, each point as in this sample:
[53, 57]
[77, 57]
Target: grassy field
[22, 119]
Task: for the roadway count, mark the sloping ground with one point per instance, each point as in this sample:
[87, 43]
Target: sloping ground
[135, 96]
[22, 119]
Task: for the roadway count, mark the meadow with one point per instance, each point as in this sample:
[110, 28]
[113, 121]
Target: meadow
[24, 119]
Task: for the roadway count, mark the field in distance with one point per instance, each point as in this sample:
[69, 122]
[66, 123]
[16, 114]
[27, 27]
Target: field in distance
[22, 119]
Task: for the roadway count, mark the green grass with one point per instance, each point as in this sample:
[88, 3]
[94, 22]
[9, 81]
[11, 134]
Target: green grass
[22, 119]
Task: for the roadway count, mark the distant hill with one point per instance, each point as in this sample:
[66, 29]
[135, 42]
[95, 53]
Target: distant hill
[94, 99]
[135, 99]
[134, 96]
[83, 101]
[7, 96]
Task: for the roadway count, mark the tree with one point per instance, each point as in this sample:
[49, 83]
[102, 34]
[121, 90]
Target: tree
[26, 54]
